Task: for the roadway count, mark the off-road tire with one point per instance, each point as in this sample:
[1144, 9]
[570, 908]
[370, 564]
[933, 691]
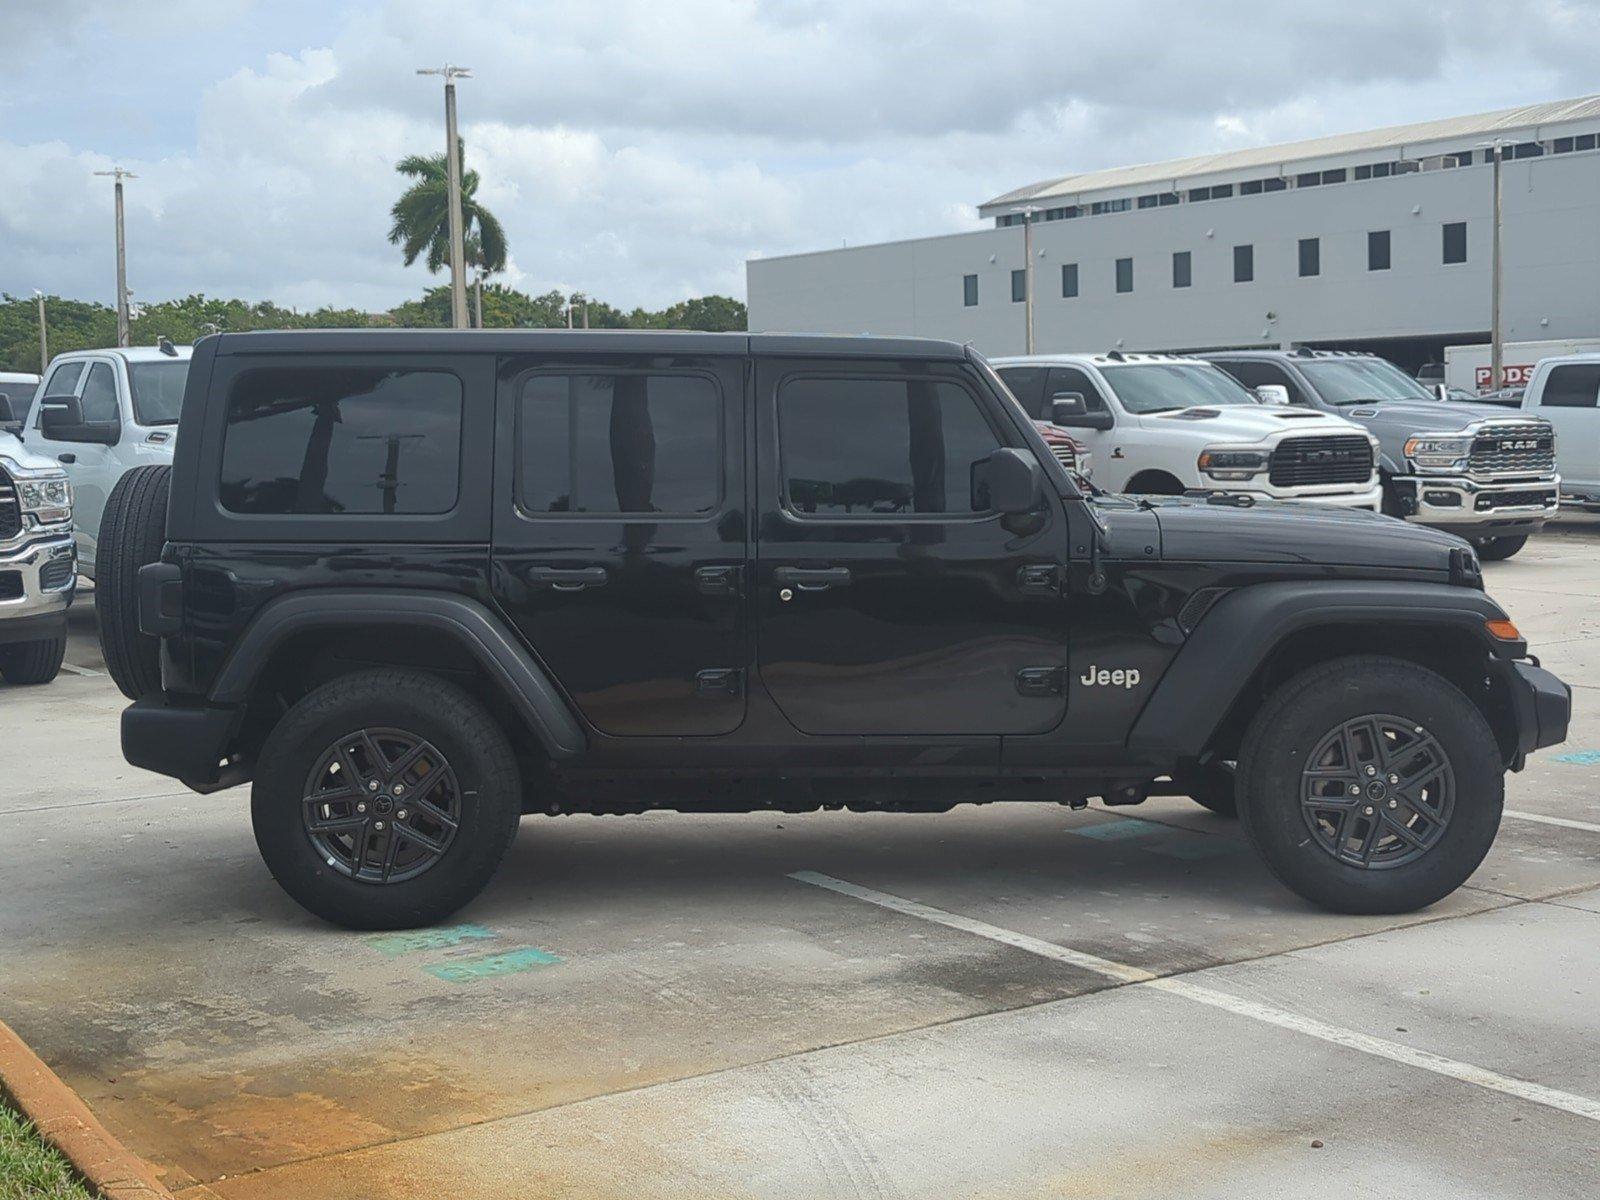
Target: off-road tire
[1303, 711]
[1496, 549]
[132, 532]
[32, 662]
[428, 708]
[1213, 786]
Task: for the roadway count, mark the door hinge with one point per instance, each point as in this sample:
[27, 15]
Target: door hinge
[719, 681]
[1041, 681]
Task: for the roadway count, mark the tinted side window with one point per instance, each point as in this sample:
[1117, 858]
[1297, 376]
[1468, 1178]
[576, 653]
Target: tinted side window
[891, 446]
[1577, 386]
[1027, 385]
[100, 394]
[63, 381]
[1252, 374]
[353, 440]
[619, 444]
[1070, 379]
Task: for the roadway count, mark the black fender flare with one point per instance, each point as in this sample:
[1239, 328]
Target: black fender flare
[1240, 631]
[469, 622]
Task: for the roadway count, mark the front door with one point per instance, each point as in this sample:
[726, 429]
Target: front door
[890, 601]
[1570, 401]
[620, 535]
[93, 467]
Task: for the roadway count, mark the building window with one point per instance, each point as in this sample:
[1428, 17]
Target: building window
[1149, 201]
[1167, 198]
[1333, 176]
[1527, 150]
[1586, 141]
[1310, 257]
[1250, 187]
[1308, 179]
[1378, 250]
[969, 290]
[1221, 191]
[1460, 158]
[1274, 185]
[1181, 269]
[1364, 171]
[1199, 194]
[1019, 286]
[1244, 264]
[1561, 146]
[1124, 274]
[1455, 242]
[1110, 206]
[1069, 280]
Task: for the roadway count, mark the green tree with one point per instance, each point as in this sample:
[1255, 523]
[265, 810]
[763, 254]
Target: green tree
[422, 216]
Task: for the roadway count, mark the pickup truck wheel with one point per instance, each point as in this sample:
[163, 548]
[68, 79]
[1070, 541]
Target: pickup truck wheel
[32, 662]
[1494, 549]
[1371, 785]
[132, 531]
[385, 800]
[1211, 786]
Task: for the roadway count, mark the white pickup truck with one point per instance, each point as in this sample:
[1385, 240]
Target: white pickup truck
[101, 413]
[1565, 390]
[1167, 425]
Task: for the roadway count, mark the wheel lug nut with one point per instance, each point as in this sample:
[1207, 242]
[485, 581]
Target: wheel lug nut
[1371, 770]
[378, 825]
[401, 815]
[362, 807]
[1355, 789]
[1367, 810]
[1394, 779]
[399, 789]
[373, 786]
[1394, 804]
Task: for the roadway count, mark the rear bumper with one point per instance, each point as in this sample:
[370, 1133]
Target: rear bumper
[189, 743]
[1541, 705]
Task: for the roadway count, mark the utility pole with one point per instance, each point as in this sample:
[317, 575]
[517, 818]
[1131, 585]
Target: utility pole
[123, 334]
[44, 340]
[452, 160]
[1496, 333]
[1027, 273]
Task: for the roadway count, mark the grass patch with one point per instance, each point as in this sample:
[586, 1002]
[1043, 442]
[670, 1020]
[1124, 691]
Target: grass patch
[30, 1169]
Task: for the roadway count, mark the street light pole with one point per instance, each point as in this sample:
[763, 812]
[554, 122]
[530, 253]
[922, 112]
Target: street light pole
[44, 340]
[452, 161]
[1027, 274]
[123, 333]
[1496, 333]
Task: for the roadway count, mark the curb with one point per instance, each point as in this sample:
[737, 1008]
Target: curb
[65, 1121]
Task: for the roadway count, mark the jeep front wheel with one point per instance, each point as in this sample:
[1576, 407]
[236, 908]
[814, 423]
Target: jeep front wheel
[1371, 785]
[1495, 549]
[385, 800]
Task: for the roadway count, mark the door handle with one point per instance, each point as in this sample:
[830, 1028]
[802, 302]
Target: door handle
[717, 581]
[812, 579]
[67, 458]
[567, 579]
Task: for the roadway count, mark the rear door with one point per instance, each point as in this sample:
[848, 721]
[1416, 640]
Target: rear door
[620, 534]
[1570, 400]
[889, 600]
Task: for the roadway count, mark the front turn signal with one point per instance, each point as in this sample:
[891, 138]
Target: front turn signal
[1504, 630]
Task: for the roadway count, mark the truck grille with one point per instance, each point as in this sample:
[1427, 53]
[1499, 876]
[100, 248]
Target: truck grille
[1333, 458]
[10, 510]
[1523, 449]
[1065, 455]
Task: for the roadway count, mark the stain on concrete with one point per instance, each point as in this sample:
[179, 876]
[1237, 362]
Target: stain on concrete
[446, 937]
[507, 962]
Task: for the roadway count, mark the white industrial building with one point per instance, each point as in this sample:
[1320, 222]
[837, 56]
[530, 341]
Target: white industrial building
[1375, 240]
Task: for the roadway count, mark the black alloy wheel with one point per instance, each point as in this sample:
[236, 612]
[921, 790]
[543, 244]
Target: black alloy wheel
[1377, 792]
[381, 806]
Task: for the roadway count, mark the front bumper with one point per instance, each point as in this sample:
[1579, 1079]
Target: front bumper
[1466, 505]
[1368, 498]
[1541, 705]
[36, 589]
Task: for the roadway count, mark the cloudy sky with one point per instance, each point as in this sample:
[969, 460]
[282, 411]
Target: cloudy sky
[641, 151]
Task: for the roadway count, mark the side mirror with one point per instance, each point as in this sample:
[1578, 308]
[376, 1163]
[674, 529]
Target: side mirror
[1071, 411]
[1441, 390]
[61, 420]
[1008, 481]
[1272, 393]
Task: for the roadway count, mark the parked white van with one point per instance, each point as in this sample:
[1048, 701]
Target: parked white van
[103, 412]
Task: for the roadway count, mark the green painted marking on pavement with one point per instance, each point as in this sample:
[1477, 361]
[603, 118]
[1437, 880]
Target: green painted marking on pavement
[509, 962]
[1111, 831]
[1584, 758]
[393, 945]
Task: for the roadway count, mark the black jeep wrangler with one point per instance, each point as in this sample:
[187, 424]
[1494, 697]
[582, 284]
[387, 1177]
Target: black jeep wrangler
[414, 585]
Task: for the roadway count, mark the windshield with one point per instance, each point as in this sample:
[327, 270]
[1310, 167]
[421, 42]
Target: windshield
[157, 390]
[1354, 380]
[1166, 387]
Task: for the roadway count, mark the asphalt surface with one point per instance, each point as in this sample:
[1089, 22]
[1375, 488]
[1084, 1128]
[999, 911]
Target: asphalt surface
[1002, 1001]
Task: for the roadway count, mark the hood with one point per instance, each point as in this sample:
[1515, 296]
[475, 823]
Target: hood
[12, 450]
[1422, 415]
[1193, 530]
[1244, 422]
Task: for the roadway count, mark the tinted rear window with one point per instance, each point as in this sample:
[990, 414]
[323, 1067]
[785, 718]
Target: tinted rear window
[352, 440]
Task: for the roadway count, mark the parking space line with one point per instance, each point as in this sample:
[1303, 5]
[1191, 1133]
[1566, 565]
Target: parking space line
[1564, 822]
[1124, 973]
[74, 670]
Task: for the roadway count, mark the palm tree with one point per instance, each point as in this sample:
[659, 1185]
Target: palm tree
[422, 216]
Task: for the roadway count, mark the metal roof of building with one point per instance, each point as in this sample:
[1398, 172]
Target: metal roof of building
[1525, 117]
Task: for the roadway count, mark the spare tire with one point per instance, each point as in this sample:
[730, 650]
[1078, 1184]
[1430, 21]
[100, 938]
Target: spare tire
[132, 532]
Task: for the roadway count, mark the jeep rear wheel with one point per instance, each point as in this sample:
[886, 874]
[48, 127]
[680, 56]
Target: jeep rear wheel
[133, 529]
[1371, 785]
[32, 662]
[385, 800]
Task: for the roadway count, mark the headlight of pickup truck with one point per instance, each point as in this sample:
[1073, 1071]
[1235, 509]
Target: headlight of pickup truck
[1219, 462]
[47, 497]
[1447, 454]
